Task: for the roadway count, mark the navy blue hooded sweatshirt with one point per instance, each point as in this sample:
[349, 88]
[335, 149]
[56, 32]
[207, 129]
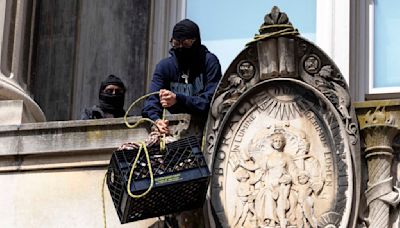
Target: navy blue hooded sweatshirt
[193, 97]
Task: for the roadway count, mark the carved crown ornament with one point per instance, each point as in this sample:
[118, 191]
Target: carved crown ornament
[282, 138]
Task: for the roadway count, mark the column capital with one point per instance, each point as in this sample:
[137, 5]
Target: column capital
[377, 120]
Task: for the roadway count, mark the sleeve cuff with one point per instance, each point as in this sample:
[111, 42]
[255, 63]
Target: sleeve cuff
[154, 117]
[180, 98]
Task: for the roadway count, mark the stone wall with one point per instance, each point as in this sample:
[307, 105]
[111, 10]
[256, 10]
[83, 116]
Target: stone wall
[52, 173]
[79, 43]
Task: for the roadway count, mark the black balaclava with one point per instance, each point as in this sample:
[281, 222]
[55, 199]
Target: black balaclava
[112, 103]
[192, 58]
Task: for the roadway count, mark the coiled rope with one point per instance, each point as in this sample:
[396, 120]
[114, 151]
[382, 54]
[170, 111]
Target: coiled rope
[142, 146]
[286, 29]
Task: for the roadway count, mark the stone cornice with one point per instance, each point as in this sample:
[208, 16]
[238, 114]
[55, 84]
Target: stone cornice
[67, 144]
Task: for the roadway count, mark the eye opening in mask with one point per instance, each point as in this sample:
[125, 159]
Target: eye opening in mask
[186, 43]
[113, 89]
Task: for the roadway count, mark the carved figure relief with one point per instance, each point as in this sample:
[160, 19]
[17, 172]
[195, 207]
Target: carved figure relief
[278, 188]
[244, 207]
[277, 178]
[281, 136]
[310, 183]
[282, 175]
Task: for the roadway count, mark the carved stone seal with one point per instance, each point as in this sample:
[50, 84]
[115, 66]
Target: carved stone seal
[281, 143]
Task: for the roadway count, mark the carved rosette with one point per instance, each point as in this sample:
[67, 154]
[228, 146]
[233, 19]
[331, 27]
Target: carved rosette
[379, 131]
[282, 140]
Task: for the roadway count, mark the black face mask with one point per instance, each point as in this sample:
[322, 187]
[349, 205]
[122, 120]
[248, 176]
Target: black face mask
[112, 103]
[185, 56]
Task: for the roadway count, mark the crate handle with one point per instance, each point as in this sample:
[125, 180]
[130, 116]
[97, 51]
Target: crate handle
[146, 152]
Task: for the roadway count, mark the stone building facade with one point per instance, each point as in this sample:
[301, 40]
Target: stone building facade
[55, 53]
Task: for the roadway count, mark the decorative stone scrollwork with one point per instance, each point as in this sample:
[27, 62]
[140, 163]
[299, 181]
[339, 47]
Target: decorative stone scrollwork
[312, 64]
[246, 70]
[332, 85]
[379, 131]
[330, 220]
[229, 96]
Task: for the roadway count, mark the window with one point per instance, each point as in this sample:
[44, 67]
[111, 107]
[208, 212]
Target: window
[384, 46]
[227, 25]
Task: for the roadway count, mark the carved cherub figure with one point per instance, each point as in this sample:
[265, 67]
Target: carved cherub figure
[307, 162]
[305, 216]
[244, 206]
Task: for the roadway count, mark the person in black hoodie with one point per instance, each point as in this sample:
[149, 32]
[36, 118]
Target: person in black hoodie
[111, 100]
[186, 80]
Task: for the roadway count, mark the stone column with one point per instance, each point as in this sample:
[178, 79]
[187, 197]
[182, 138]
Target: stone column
[379, 130]
[11, 92]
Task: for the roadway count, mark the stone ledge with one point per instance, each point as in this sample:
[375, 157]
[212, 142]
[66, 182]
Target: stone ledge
[376, 103]
[67, 144]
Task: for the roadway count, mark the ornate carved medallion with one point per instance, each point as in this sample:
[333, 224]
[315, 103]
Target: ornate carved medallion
[281, 146]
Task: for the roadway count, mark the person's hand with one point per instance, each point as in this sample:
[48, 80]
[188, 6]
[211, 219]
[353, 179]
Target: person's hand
[129, 146]
[167, 98]
[162, 126]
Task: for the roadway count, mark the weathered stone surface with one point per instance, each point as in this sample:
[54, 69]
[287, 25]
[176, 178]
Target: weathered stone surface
[11, 112]
[52, 173]
[64, 144]
[62, 198]
[10, 90]
[79, 43]
[392, 108]
[282, 137]
[379, 126]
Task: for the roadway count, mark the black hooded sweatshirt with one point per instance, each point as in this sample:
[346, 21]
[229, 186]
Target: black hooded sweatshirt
[110, 105]
[201, 67]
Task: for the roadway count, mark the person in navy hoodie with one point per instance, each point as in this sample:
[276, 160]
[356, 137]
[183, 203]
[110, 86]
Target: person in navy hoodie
[186, 80]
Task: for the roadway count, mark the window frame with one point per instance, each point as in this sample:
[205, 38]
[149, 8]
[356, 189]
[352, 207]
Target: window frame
[333, 32]
[163, 16]
[371, 68]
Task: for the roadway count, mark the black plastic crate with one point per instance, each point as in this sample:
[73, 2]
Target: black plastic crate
[181, 178]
